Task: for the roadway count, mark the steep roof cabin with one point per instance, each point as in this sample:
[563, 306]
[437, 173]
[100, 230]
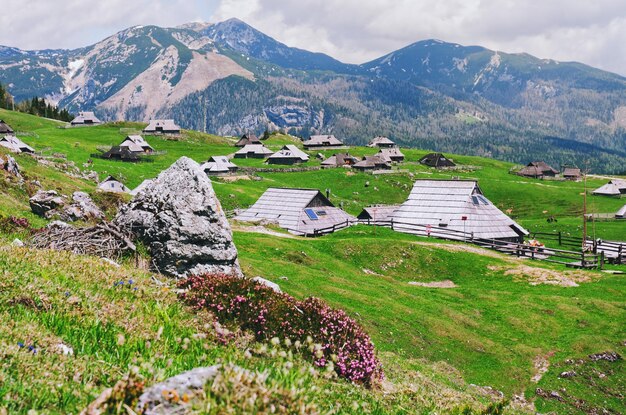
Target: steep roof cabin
[322, 141]
[5, 128]
[436, 160]
[247, 139]
[615, 187]
[300, 211]
[111, 184]
[289, 154]
[136, 144]
[538, 170]
[339, 160]
[370, 163]
[454, 209]
[85, 118]
[572, 173]
[120, 153]
[162, 127]
[257, 151]
[381, 142]
[377, 213]
[15, 144]
[219, 166]
[391, 155]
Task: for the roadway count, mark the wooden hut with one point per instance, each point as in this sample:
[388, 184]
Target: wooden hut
[339, 160]
[370, 163]
[322, 141]
[572, 173]
[111, 184]
[391, 155]
[454, 209]
[162, 127]
[436, 160]
[5, 128]
[615, 187]
[289, 154]
[247, 139]
[301, 211]
[381, 142]
[256, 151]
[85, 118]
[219, 166]
[538, 170]
[377, 213]
[15, 144]
[136, 144]
[120, 153]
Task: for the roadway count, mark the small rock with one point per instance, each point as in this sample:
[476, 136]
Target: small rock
[568, 374]
[268, 284]
[153, 401]
[17, 242]
[608, 356]
[110, 262]
[63, 349]
[283, 278]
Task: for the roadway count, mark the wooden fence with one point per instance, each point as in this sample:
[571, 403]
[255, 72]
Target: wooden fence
[613, 251]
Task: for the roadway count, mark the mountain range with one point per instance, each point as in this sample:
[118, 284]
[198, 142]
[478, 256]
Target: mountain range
[228, 78]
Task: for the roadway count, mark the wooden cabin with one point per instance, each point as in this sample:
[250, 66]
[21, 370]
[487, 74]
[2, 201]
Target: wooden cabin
[436, 160]
[289, 154]
[85, 118]
[162, 127]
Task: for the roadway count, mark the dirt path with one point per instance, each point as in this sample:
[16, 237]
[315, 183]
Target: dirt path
[263, 230]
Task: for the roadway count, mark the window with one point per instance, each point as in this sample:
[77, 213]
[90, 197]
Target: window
[320, 212]
[311, 214]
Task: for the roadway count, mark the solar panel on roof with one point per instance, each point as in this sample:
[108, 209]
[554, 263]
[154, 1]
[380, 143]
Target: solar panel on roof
[311, 214]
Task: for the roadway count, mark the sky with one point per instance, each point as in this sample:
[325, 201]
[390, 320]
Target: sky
[353, 31]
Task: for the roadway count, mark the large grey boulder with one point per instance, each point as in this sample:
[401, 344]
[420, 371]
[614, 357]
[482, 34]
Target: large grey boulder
[82, 208]
[45, 203]
[10, 165]
[182, 223]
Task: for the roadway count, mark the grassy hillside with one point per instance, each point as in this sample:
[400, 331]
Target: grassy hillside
[503, 322]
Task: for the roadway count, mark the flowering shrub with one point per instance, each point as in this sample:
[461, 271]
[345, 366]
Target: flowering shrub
[13, 223]
[330, 337]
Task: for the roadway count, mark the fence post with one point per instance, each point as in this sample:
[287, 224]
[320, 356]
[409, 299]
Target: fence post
[391, 223]
[601, 259]
[559, 238]
[582, 259]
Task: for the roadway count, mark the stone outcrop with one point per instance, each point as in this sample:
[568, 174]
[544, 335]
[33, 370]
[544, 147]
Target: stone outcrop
[10, 165]
[82, 208]
[45, 203]
[180, 220]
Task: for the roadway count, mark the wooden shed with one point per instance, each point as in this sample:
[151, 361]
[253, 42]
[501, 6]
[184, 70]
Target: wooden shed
[339, 160]
[572, 173]
[454, 209]
[322, 141]
[5, 128]
[381, 142]
[391, 155]
[436, 160]
[289, 154]
[120, 153]
[219, 166]
[111, 184]
[247, 139]
[15, 144]
[162, 127]
[256, 151]
[538, 170]
[85, 118]
[301, 211]
[370, 163]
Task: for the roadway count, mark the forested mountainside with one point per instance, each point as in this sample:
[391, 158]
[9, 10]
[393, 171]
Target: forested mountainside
[229, 78]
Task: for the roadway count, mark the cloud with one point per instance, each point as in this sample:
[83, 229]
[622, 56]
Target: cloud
[360, 30]
[42, 24]
[592, 32]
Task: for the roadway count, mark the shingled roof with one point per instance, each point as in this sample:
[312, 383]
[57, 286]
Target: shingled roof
[162, 126]
[85, 118]
[621, 214]
[15, 144]
[378, 212]
[297, 210]
[537, 169]
[340, 160]
[391, 154]
[111, 184]
[120, 153]
[436, 160]
[615, 187]
[381, 142]
[5, 128]
[287, 155]
[375, 162]
[136, 144]
[247, 139]
[444, 203]
[253, 151]
[217, 165]
[322, 141]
